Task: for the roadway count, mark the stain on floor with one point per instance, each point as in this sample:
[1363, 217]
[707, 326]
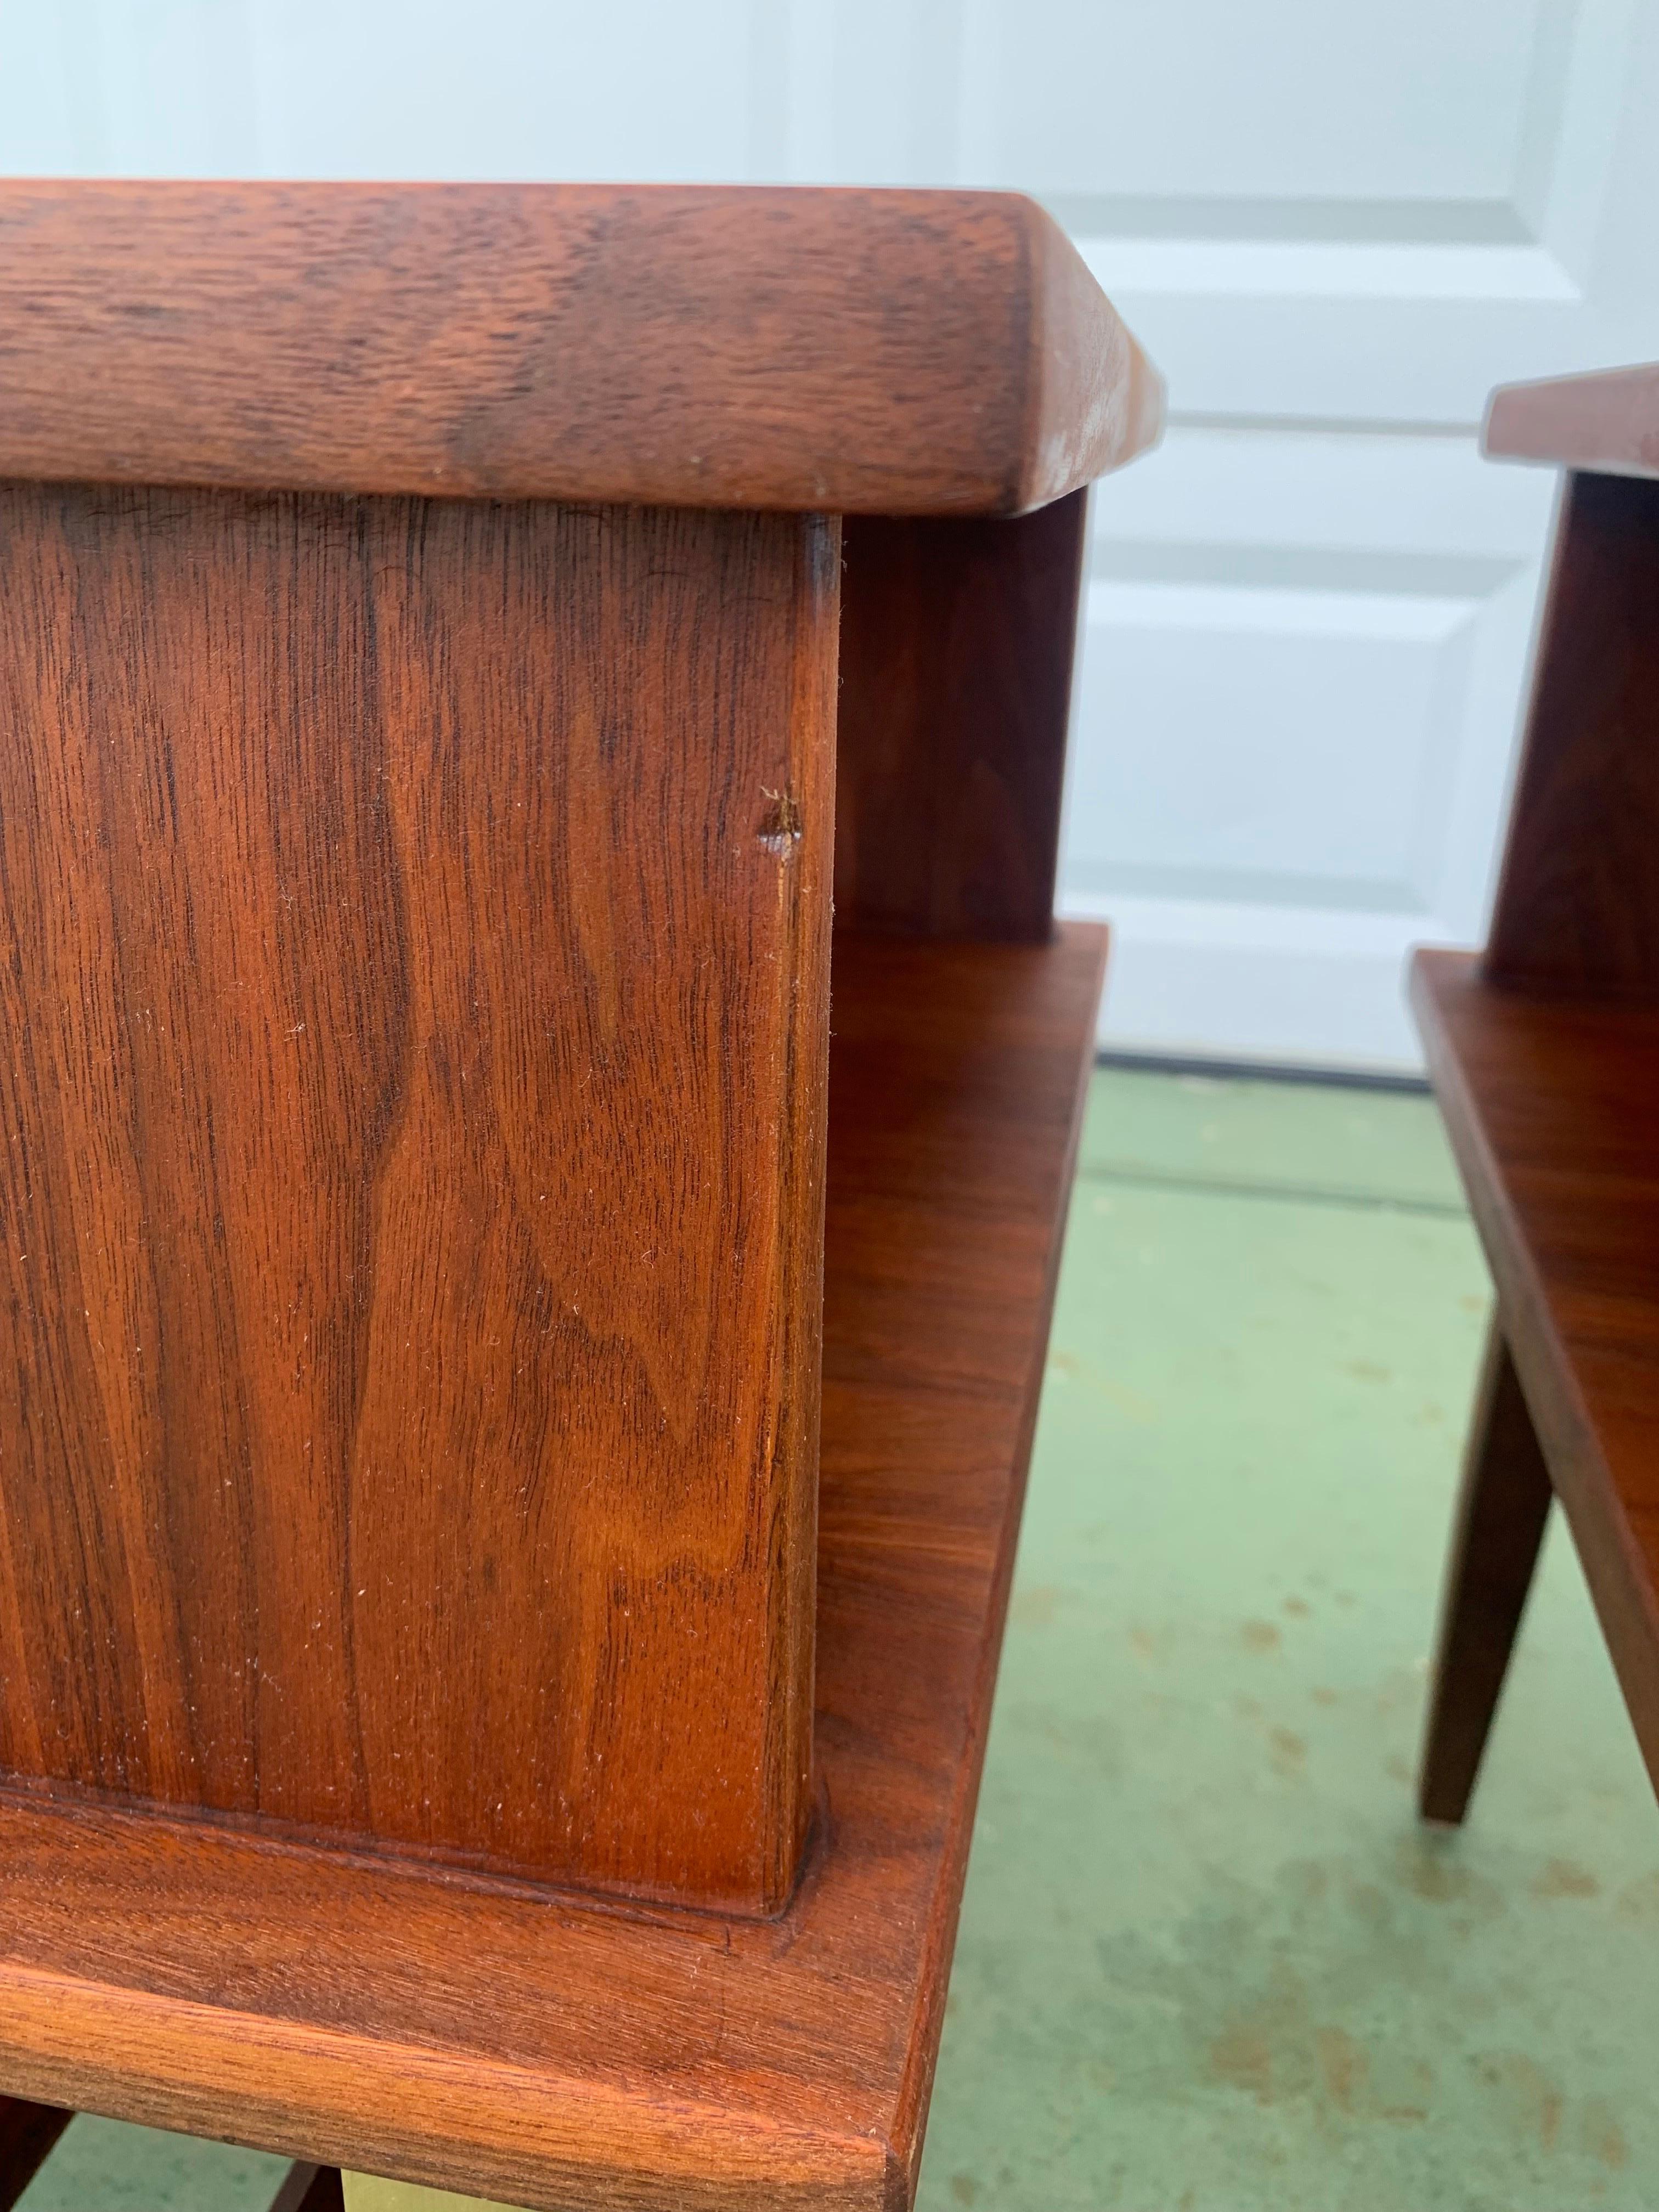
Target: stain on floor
[1208, 1961]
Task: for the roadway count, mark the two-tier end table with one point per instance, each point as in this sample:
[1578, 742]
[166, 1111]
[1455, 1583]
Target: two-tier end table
[1545, 1055]
[518, 1344]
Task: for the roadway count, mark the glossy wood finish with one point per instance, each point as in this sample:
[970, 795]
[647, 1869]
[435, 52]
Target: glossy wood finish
[1502, 1508]
[28, 2134]
[1545, 1057]
[414, 938]
[1577, 910]
[958, 641]
[492, 2038]
[415, 835]
[853, 352]
[1608, 421]
[1550, 1106]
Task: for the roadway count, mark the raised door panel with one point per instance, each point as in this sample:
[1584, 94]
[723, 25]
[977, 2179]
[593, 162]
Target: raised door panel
[1294, 731]
[1306, 629]
[1284, 101]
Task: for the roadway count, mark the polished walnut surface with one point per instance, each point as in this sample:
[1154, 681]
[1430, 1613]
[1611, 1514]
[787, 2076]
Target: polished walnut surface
[1544, 1051]
[1551, 1107]
[412, 1052]
[846, 351]
[438, 681]
[495, 2039]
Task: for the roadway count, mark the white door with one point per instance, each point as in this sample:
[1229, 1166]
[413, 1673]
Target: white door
[1333, 227]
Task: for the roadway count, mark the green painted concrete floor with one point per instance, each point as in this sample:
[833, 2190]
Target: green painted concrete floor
[1209, 1963]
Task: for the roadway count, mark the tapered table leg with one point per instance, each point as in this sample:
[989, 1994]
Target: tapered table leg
[1501, 1513]
[28, 2133]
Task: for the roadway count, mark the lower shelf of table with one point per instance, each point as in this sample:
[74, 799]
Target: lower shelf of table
[1553, 1108]
[542, 2050]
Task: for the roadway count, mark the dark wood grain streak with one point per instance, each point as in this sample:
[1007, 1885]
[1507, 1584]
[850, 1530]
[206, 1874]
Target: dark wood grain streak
[413, 939]
[1577, 908]
[494, 2040]
[1502, 1508]
[885, 352]
[1549, 1105]
[957, 643]
[28, 2134]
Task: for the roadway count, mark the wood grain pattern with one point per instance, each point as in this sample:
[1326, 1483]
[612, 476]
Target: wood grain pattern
[414, 930]
[488, 2038]
[958, 641]
[1502, 1508]
[1577, 908]
[1549, 1105]
[886, 352]
[28, 2134]
[1608, 421]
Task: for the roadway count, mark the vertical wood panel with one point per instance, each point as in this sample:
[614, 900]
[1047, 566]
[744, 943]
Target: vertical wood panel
[957, 640]
[412, 972]
[1578, 901]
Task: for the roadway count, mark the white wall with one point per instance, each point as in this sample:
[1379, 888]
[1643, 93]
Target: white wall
[1334, 228]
